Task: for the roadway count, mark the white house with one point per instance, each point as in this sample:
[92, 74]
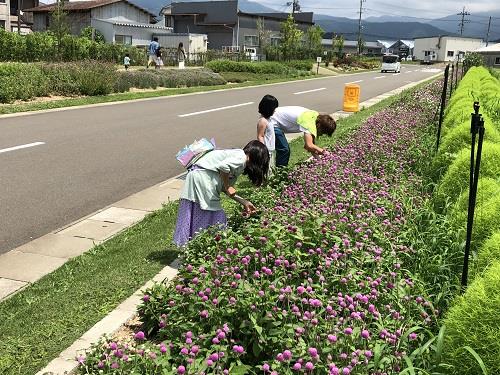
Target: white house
[491, 55]
[5, 14]
[120, 21]
[444, 48]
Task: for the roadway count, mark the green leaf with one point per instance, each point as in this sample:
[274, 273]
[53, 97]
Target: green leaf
[477, 358]
[240, 370]
[256, 348]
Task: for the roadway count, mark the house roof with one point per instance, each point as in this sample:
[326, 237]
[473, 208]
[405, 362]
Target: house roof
[386, 43]
[303, 17]
[76, 6]
[491, 48]
[447, 36]
[352, 43]
[122, 21]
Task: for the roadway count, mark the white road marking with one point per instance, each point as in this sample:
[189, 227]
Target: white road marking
[359, 80]
[21, 147]
[215, 109]
[307, 91]
[409, 71]
[379, 77]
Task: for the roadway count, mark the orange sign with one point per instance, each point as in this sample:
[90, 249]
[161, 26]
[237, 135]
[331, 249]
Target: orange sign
[351, 97]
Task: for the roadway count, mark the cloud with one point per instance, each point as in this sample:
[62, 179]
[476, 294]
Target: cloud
[422, 8]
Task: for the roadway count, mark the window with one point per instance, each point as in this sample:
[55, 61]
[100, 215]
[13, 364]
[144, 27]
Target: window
[123, 39]
[497, 60]
[427, 53]
[275, 41]
[2, 23]
[251, 40]
[451, 53]
[169, 21]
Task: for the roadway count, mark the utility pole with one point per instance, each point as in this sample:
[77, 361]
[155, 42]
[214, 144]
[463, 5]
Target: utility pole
[295, 6]
[19, 16]
[463, 13]
[488, 32]
[359, 26]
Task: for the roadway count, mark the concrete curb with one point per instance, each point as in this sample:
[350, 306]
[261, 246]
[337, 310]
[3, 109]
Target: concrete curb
[65, 363]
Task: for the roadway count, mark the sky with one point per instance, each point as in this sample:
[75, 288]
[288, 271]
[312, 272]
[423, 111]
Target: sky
[374, 8]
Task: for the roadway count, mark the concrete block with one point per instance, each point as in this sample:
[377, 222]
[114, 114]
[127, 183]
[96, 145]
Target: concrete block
[27, 267]
[57, 245]
[95, 230]
[149, 200]
[58, 366]
[7, 287]
[119, 215]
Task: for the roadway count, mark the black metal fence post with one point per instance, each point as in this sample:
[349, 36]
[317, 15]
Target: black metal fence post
[451, 80]
[456, 76]
[443, 103]
[477, 127]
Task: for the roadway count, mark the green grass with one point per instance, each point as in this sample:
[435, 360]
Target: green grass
[42, 320]
[87, 100]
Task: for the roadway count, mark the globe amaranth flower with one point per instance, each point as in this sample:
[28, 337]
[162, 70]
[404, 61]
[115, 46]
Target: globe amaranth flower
[140, 336]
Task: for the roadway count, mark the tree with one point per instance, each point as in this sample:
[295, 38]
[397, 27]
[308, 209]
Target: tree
[314, 36]
[59, 25]
[472, 59]
[92, 34]
[291, 38]
[263, 34]
[338, 44]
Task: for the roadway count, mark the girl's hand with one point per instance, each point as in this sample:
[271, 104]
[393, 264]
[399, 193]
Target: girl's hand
[250, 208]
[231, 191]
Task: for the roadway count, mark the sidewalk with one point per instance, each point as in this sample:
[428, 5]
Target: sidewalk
[49, 252]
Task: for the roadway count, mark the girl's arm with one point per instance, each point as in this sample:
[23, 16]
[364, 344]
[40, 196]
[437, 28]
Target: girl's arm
[231, 191]
[261, 129]
[311, 147]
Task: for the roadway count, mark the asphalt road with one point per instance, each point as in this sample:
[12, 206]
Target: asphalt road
[57, 167]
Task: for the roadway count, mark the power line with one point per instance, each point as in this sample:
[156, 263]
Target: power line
[463, 13]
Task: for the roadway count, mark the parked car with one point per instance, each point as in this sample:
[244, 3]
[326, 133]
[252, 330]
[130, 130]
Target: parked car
[390, 63]
[251, 53]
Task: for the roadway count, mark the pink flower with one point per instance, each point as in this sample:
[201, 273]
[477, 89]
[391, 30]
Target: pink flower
[181, 370]
[204, 314]
[287, 355]
[297, 366]
[332, 338]
[413, 336]
[313, 352]
[309, 366]
[140, 336]
[365, 334]
[266, 367]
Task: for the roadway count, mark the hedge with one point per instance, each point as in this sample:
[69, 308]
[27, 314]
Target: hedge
[19, 81]
[264, 67]
[44, 47]
[487, 255]
[474, 321]
[457, 139]
[456, 179]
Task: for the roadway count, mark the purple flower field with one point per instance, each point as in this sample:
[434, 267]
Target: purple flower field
[320, 283]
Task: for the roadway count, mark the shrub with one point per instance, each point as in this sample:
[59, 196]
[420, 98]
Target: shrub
[474, 321]
[265, 67]
[457, 139]
[305, 65]
[456, 179]
[486, 220]
[21, 82]
[488, 254]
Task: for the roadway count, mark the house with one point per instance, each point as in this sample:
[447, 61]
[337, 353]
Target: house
[402, 48]
[444, 47]
[5, 14]
[386, 45]
[21, 22]
[120, 21]
[226, 26]
[351, 47]
[491, 55]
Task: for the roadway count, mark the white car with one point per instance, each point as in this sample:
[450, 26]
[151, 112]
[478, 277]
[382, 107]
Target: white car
[390, 63]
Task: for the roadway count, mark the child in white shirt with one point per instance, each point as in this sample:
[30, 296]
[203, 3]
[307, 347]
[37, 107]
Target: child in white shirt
[265, 130]
[126, 61]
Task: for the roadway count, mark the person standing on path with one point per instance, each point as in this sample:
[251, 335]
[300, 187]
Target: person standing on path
[153, 48]
[296, 119]
[265, 130]
[181, 55]
[215, 173]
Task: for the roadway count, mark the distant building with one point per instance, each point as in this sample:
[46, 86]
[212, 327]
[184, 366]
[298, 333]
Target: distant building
[351, 47]
[5, 15]
[20, 21]
[445, 48]
[386, 45]
[120, 21]
[402, 48]
[226, 26]
[491, 55]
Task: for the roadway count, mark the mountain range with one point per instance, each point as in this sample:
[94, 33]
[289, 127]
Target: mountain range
[383, 27]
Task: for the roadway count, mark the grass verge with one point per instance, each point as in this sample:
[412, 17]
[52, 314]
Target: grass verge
[88, 100]
[49, 315]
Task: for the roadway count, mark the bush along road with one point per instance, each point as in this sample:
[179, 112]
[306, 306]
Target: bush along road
[347, 270]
